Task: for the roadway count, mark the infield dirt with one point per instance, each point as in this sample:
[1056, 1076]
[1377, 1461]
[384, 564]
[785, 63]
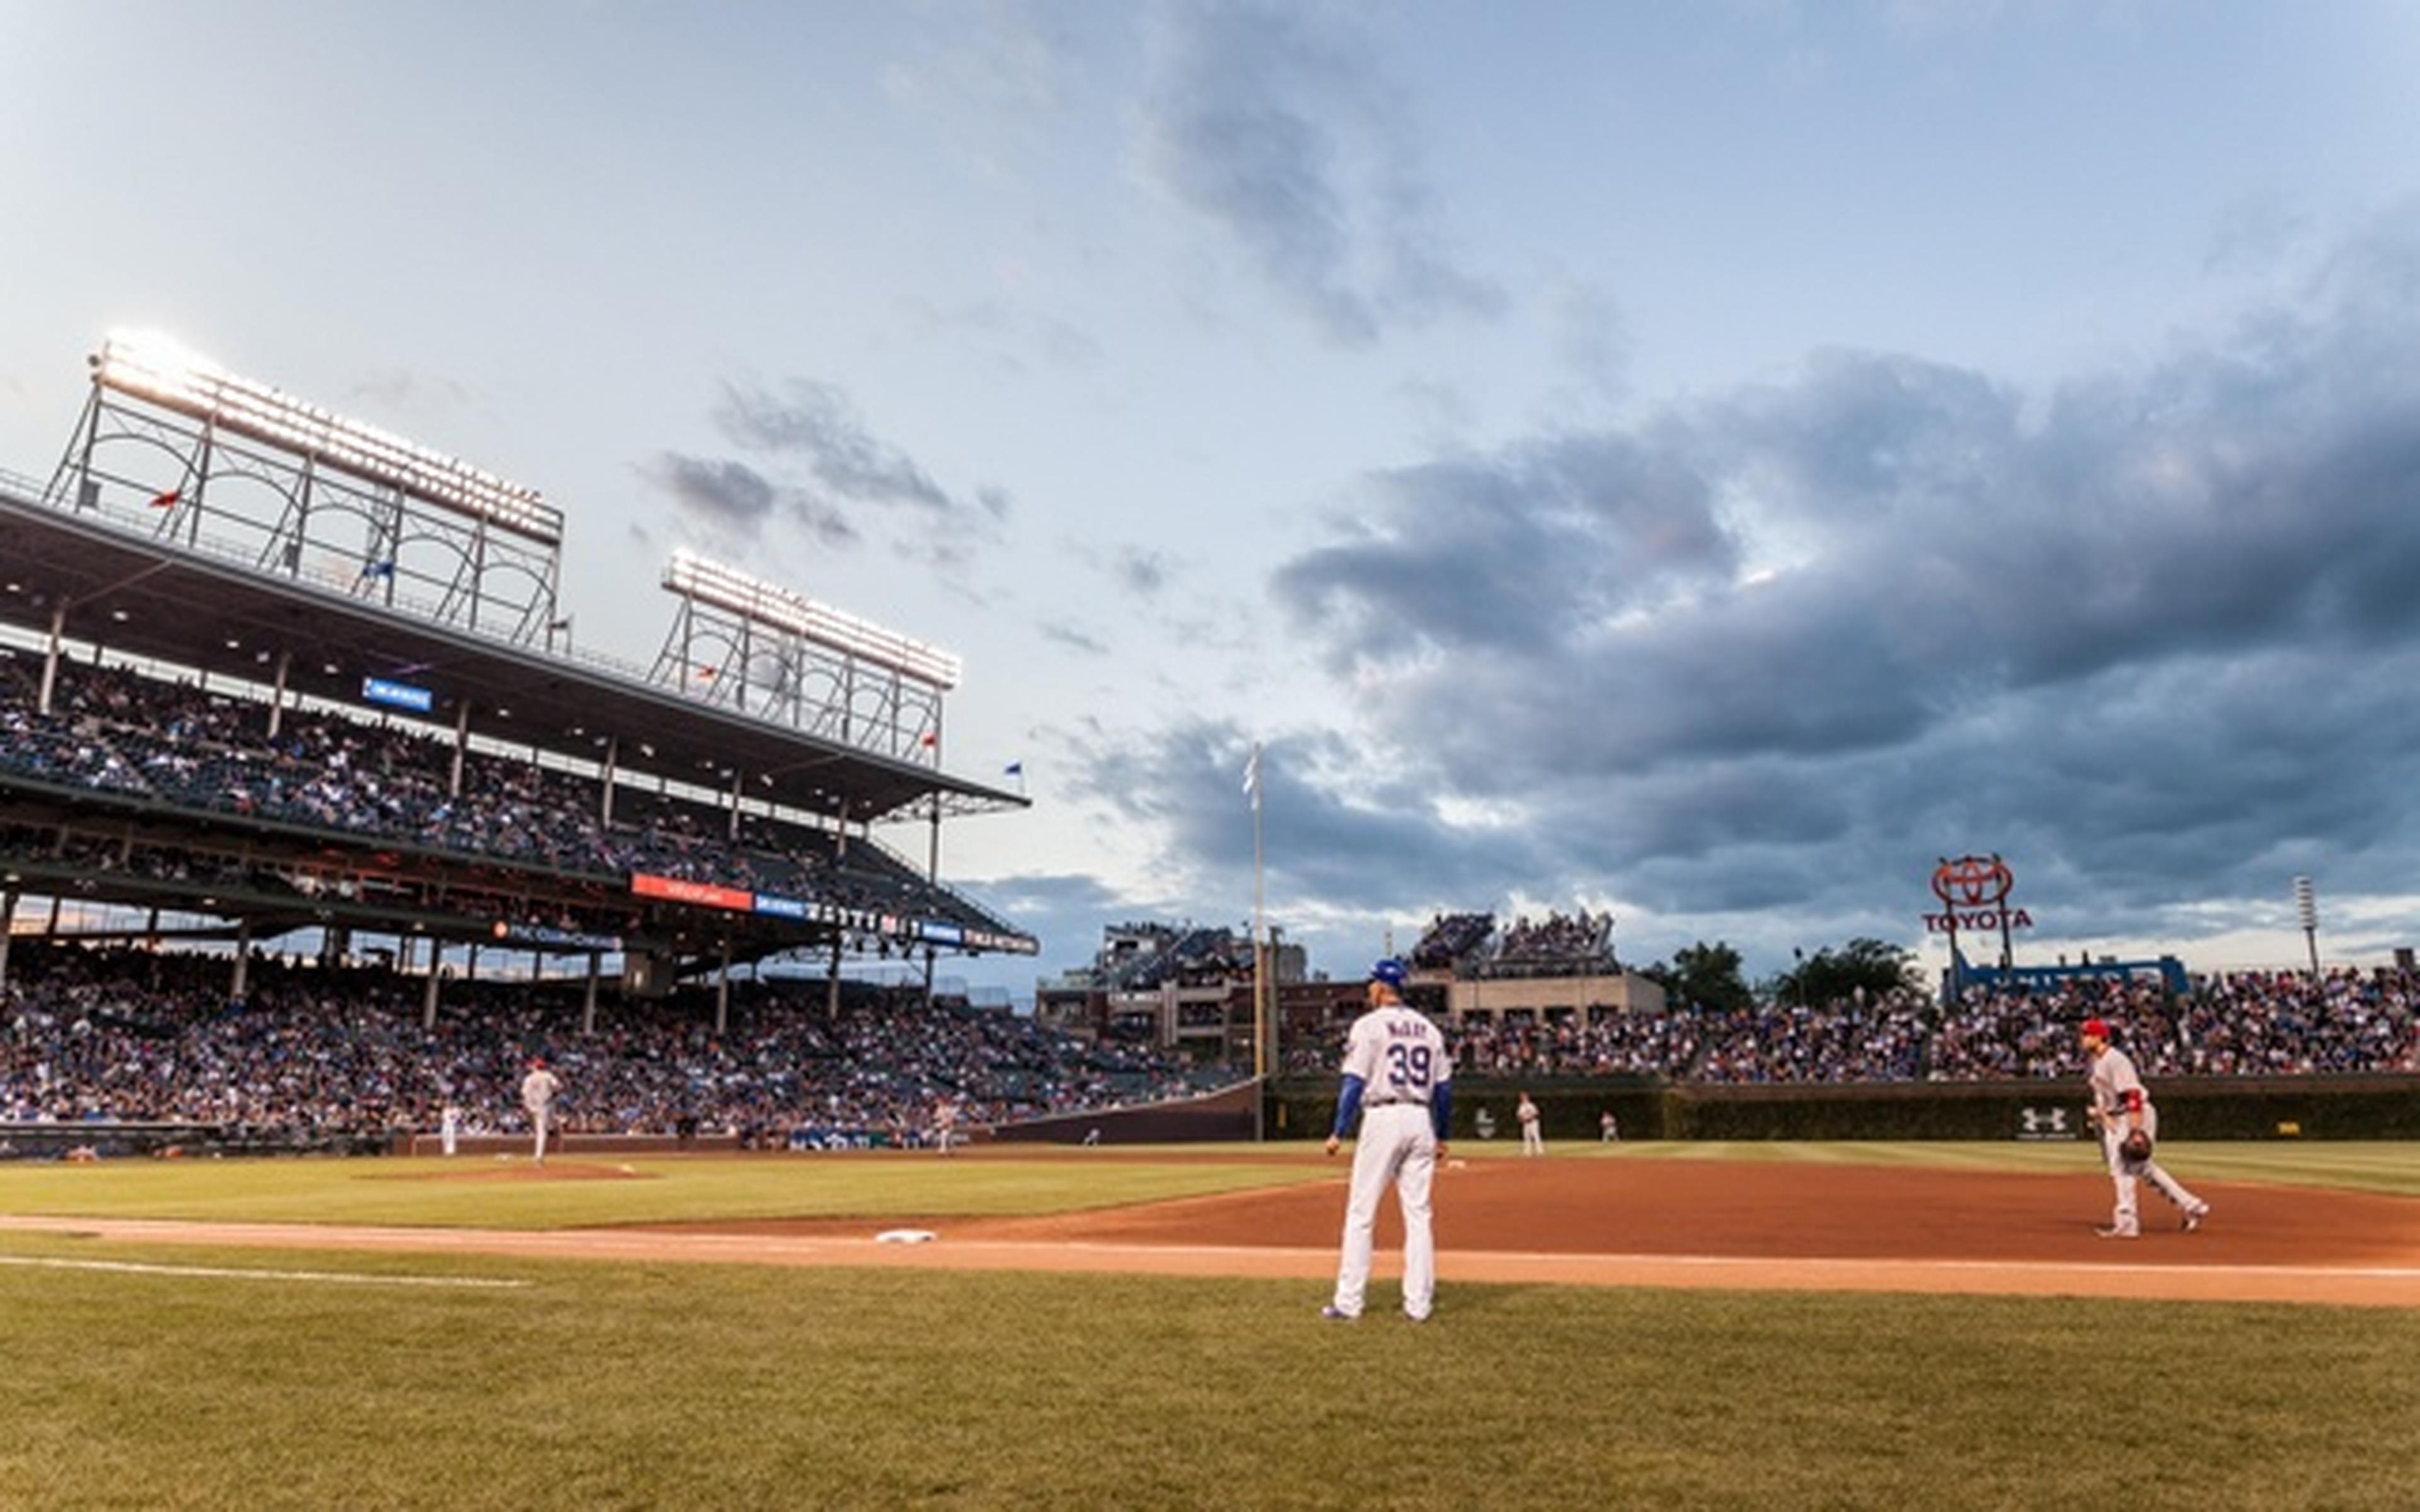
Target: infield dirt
[1631, 1223]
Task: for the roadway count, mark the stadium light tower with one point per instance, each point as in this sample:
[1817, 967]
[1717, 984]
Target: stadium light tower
[158, 369]
[782, 656]
[177, 448]
[2306, 908]
[778, 609]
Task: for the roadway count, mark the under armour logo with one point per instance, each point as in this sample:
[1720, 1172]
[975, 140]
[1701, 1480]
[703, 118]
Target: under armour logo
[2045, 1120]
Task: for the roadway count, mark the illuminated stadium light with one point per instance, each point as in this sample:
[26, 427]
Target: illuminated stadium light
[728, 588]
[155, 368]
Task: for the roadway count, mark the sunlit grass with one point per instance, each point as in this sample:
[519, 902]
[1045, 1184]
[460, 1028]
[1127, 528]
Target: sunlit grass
[616, 1385]
[434, 1192]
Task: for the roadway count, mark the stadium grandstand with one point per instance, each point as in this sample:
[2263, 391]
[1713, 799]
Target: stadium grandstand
[2252, 1024]
[1185, 988]
[130, 1046]
[268, 674]
[1551, 968]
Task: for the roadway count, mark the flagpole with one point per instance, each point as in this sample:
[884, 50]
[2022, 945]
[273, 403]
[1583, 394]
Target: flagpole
[1259, 963]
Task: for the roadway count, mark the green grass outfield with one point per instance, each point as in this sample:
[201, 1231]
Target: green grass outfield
[139, 1377]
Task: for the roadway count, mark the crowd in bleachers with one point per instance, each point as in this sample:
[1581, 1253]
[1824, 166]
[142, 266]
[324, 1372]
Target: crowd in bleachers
[1157, 954]
[139, 1035]
[2241, 1024]
[2250, 1024]
[133, 1034]
[1557, 945]
[1556, 937]
[1450, 939]
[114, 730]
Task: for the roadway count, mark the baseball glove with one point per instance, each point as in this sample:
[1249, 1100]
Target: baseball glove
[2136, 1146]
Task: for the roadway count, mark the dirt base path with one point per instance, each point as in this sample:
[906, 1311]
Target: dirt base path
[1602, 1223]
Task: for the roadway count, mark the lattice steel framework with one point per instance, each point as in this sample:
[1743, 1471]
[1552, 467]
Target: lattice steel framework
[767, 652]
[222, 465]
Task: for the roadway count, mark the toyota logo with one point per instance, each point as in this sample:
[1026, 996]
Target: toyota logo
[1973, 882]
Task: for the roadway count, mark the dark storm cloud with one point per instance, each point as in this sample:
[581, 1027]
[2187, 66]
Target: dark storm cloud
[1285, 137]
[732, 502]
[2149, 636]
[1344, 840]
[824, 470]
[1517, 554]
[815, 423]
[730, 495]
[1063, 912]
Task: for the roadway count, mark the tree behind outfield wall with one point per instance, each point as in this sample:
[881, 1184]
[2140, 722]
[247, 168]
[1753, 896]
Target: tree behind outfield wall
[1831, 976]
[1702, 976]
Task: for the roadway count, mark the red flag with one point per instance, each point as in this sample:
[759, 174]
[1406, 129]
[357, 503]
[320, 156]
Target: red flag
[931, 739]
[167, 499]
[708, 672]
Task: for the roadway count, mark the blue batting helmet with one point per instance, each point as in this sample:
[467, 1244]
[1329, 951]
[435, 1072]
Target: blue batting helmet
[1390, 971]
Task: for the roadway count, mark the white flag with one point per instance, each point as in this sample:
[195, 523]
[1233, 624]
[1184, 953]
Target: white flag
[1252, 775]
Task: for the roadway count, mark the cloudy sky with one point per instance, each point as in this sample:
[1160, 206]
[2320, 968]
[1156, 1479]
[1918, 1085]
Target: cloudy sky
[1701, 462]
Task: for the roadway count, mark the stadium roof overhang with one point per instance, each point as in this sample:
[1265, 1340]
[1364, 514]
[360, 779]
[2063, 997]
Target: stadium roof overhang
[164, 601]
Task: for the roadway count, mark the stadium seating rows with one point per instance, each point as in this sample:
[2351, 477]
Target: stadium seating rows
[2251, 1024]
[131, 1034]
[114, 730]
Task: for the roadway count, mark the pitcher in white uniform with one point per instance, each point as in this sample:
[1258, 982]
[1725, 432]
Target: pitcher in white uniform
[2120, 1103]
[537, 1098]
[1399, 1079]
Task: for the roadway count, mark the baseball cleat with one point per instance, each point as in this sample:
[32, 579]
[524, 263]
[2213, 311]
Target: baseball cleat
[1337, 1315]
[2113, 1231]
[2193, 1216]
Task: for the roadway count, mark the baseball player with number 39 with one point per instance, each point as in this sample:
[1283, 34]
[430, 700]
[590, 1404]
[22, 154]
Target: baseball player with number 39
[1399, 1080]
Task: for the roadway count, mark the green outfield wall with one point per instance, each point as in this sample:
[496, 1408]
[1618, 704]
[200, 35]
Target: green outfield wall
[2278, 1107]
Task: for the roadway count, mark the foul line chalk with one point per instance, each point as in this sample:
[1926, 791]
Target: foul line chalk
[355, 1278]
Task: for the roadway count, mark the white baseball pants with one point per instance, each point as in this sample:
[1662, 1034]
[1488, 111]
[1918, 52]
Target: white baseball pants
[1396, 1145]
[2124, 1173]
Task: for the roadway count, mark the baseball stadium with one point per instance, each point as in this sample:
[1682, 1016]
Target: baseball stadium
[322, 837]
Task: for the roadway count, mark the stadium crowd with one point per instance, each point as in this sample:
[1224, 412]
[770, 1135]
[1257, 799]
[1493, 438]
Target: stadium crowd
[135, 1036]
[113, 729]
[2249, 1023]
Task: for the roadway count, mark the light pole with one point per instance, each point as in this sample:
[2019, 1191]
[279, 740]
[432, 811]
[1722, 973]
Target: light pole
[2306, 907]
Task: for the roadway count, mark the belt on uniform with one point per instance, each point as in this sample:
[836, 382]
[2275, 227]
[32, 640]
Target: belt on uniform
[1394, 1102]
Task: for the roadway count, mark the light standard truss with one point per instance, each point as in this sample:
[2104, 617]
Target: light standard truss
[760, 649]
[216, 463]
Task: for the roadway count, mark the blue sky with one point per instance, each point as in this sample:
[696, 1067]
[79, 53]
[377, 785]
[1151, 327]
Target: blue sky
[1704, 462]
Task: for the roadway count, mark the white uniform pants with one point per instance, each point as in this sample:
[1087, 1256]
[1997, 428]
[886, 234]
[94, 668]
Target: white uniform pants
[2124, 1174]
[537, 1123]
[1397, 1145]
[1533, 1142]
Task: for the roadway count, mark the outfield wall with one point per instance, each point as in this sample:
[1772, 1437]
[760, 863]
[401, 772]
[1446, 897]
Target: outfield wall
[1226, 1113]
[2267, 1107]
